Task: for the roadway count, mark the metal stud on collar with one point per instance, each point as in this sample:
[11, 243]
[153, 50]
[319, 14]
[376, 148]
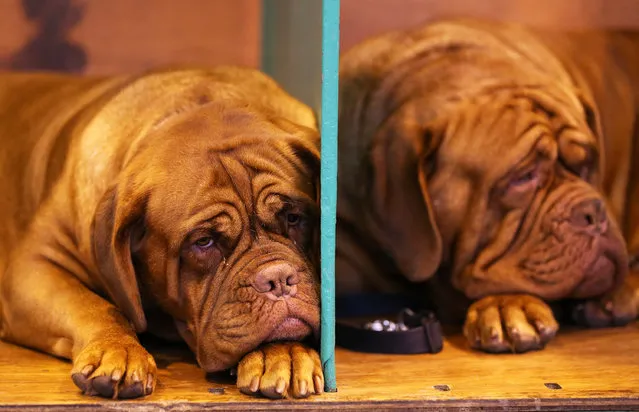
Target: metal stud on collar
[386, 325]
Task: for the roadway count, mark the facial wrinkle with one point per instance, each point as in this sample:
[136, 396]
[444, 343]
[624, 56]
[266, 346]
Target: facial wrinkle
[240, 179]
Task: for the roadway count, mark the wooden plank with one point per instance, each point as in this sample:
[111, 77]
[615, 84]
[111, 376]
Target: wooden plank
[596, 369]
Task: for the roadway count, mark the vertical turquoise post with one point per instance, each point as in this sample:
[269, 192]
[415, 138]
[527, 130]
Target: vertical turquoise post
[330, 83]
[300, 50]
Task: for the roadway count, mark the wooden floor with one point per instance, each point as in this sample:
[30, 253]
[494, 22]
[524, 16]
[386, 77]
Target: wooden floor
[580, 370]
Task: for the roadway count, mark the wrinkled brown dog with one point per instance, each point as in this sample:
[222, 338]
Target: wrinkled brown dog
[492, 165]
[179, 202]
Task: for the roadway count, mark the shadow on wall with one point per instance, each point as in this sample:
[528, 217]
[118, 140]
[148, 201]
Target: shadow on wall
[198, 31]
[49, 48]
[108, 37]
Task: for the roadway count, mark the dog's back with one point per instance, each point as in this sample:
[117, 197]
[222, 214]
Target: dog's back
[37, 114]
[46, 117]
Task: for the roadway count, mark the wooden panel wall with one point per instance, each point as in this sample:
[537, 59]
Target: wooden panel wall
[363, 18]
[112, 36]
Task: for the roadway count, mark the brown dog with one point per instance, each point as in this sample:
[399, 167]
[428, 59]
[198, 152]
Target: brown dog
[179, 202]
[492, 165]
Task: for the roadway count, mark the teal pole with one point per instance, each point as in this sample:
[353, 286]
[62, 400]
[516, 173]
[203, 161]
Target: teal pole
[291, 55]
[328, 197]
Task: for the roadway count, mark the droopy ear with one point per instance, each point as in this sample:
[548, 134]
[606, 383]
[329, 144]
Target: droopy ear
[113, 224]
[403, 201]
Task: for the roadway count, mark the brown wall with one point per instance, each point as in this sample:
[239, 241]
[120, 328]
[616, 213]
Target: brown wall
[363, 18]
[110, 36]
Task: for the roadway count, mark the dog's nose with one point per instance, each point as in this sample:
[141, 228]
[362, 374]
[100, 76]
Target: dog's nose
[277, 281]
[590, 215]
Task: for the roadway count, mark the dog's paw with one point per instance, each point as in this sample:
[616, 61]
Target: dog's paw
[114, 369]
[281, 370]
[509, 323]
[616, 309]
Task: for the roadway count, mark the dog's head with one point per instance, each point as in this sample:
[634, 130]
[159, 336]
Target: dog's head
[482, 168]
[215, 221]
[514, 184]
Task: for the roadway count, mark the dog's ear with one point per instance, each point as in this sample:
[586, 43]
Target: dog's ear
[114, 223]
[403, 204]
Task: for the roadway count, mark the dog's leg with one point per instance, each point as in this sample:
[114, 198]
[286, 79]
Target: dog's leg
[509, 323]
[46, 307]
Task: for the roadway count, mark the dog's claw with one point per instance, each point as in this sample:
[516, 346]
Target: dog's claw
[319, 384]
[116, 375]
[149, 384]
[255, 384]
[609, 306]
[302, 387]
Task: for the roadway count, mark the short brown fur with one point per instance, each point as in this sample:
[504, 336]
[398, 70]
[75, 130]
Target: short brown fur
[489, 167]
[159, 202]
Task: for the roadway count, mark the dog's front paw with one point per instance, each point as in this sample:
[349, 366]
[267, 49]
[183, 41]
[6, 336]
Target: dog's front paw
[616, 309]
[114, 369]
[509, 323]
[281, 370]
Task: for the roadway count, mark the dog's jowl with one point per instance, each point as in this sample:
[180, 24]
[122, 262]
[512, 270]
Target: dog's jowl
[180, 202]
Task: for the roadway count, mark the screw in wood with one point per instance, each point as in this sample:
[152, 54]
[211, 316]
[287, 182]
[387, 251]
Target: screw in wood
[552, 385]
[216, 391]
[443, 388]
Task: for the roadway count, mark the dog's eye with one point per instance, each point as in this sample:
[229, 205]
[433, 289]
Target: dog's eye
[526, 179]
[204, 242]
[293, 219]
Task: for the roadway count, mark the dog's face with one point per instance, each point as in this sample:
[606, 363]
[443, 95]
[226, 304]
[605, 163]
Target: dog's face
[514, 194]
[220, 217]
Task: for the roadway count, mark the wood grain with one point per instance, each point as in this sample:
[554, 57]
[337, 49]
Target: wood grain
[123, 36]
[596, 369]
